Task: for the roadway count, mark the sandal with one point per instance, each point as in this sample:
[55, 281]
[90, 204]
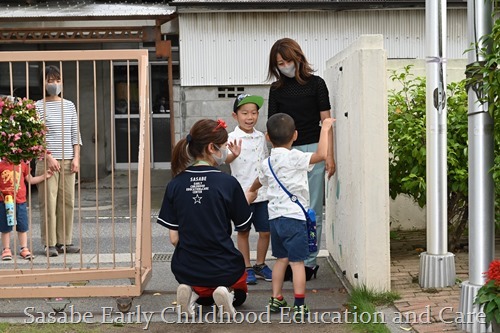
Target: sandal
[26, 254]
[6, 254]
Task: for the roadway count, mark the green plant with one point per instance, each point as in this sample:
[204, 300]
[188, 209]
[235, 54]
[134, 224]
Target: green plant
[22, 133]
[407, 146]
[364, 301]
[488, 296]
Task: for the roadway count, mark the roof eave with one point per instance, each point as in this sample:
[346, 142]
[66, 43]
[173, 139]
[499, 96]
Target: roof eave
[307, 5]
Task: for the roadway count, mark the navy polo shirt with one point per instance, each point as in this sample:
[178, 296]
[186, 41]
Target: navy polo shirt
[200, 203]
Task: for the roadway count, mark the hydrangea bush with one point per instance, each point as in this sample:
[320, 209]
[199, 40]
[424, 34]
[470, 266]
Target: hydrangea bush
[22, 133]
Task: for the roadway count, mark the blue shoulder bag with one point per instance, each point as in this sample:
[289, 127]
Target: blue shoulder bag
[309, 214]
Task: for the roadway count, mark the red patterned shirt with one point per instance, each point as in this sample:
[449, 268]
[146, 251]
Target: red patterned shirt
[10, 178]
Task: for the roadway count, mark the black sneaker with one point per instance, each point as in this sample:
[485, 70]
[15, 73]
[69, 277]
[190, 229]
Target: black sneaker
[70, 248]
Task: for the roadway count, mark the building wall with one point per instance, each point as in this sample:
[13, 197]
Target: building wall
[232, 49]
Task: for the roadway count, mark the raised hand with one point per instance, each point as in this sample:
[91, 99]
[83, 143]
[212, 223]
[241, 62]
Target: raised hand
[235, 147]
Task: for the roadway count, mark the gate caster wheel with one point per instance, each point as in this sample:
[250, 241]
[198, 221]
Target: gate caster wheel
[124, 304]
[58, 304]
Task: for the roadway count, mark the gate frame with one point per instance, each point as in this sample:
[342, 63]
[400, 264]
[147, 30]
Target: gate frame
[11, 282]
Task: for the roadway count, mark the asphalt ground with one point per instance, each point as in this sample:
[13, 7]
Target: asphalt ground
[104, 224]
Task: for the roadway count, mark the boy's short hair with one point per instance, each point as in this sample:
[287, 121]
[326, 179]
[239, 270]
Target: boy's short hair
[280, 128]
[243, 99]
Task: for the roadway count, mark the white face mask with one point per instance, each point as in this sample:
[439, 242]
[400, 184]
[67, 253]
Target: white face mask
[220, 160]
[53, 89]
[288, 71]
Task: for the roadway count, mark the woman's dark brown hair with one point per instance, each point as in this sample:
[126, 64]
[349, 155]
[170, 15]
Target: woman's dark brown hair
[51, 72]
[195, 145]
[290, 51]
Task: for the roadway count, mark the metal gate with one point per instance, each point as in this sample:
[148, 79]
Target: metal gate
[112, 215]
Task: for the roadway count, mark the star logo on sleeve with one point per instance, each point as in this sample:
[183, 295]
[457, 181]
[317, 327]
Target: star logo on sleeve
[197, 199]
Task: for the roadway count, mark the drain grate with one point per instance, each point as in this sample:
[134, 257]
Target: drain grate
[162, 257]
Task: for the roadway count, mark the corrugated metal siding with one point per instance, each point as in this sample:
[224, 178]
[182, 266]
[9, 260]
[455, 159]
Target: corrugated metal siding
[83, 10]
[218, 49]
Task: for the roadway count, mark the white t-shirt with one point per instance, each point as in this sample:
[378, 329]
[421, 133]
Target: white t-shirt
[291, 167]
[246, 166]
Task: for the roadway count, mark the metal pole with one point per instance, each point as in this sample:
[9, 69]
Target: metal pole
[437, 265]
[481, 187]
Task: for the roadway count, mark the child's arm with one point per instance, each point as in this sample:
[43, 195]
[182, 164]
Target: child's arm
[330, 157]
[251, 193]
[38, 179]
[235, 148]
[322, 151]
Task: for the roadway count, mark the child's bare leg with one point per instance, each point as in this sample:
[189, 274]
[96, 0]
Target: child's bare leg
[262, 246]
[23, 239]
[279, 269]
[5, 240]
[299, 277]
[243, 246]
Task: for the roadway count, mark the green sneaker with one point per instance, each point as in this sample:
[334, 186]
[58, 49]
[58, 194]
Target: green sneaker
[300, 312]
[275, 304]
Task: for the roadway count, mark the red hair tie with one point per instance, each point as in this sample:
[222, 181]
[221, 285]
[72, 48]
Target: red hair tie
[220, 124]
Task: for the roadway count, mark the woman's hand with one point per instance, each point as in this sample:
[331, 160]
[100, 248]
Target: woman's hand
[53, 164]
[75, 165]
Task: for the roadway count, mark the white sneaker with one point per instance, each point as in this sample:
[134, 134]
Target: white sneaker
[186, 299]
[223, 298]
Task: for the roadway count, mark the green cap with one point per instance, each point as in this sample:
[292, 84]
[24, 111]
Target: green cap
[245, 99]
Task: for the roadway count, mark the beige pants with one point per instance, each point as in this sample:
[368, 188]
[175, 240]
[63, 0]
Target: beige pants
[56, 197]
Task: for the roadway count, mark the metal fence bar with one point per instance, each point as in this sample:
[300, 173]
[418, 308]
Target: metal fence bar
[113, 157]
[79, 190]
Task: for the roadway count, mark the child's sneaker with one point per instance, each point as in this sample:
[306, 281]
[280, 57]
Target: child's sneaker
[300, 312]
[263, 271]
[251, 279]
[224, 300]
[26, 254]
[275, 304]
[186, 299]
[6, 254]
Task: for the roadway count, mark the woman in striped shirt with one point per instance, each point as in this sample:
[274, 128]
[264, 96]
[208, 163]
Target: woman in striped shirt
[57, 195]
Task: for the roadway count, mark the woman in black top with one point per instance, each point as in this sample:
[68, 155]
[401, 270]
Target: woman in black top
[199, 205]
[304, 96]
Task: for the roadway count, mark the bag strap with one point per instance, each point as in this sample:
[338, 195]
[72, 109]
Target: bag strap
[17, 183]
[292, 197]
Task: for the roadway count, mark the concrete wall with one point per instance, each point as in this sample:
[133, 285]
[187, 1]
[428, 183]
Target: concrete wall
[194, 103]
[357, 204]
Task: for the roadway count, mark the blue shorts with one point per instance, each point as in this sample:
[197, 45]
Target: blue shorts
[289, 239]
[21, 217]
[260, 217]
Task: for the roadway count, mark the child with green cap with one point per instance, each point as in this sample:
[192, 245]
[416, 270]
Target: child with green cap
[248, 148]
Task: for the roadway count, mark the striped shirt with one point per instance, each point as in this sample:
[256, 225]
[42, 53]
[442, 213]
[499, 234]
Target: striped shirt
[61, 120]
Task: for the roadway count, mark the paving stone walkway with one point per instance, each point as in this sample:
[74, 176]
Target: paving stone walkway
[436, 307]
